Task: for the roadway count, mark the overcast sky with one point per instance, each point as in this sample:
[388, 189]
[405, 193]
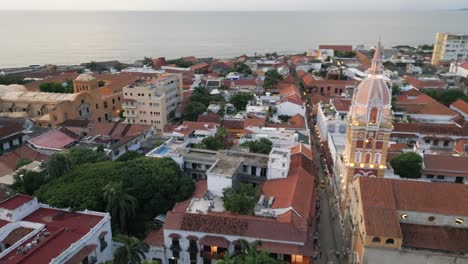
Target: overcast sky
[254, 5]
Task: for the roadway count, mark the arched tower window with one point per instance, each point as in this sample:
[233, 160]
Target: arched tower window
[357, 158]
[390, 241]
[373, 115]
[377, 158]
[368, 157]
[369, 143]
[376, 240]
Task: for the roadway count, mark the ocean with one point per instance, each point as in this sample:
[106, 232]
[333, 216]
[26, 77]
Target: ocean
[66, 37]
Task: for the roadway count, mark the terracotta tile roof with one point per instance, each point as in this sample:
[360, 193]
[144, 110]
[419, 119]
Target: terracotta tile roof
[292, 98]
[435, 238]
[297, 121]
[15, 201]
[461, 106]
[342, 48]
[84, 252]
[116, 131]
[398, 147]
[286, 89]
[448, 165]
[10, 129]
[304, 149]
[431, 129]
[289, 79]
[254, 122]
[232, 124]
[423, 84]
[310, 81]
[461, 146]
[301, 74]
[8, 160]
[317, 98]
[381, 198]
[188, 127]
[16, 235]
[58, 139]
[218, 241]
[209, 117]
[155, 238]
[199, 66]
[341, 105]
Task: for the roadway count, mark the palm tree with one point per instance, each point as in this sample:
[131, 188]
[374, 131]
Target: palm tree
[120, 204]
[248, 254]
[58, 165]
[131, 251]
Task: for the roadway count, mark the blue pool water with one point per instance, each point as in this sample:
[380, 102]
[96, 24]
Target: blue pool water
[162, 151]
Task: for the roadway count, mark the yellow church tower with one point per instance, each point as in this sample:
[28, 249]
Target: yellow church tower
[369, 126]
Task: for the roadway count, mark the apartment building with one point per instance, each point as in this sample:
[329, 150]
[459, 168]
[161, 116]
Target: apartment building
[450, 47]
[152, 101]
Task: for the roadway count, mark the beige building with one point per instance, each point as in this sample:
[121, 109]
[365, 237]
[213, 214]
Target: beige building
[449, 47]
[152, 101]
[87, 102]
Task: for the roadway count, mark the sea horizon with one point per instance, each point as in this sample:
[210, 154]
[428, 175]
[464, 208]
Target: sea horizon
[74, 37]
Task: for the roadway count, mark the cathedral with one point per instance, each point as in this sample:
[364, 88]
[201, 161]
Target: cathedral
[369, 126]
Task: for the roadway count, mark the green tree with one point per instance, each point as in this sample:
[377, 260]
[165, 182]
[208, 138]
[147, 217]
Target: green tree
[242, 68]
[58, 165]
[81, 155]
[129, 155]
[147, 61]
[407, 165]
[272, 77]
[52, 87]
[447, 97]
[157, 184]
[240, 100]
[131, 251]
[248, 254]
[12, 79]
[27, 182]
[192, 110]
[119, 66]
[241, 200]
[262, 146]
[201, 95]
[120, 204]
[216, 142]
[181, 63]
[345, 54]
[101, 83]
[284, 118]
[21, 162]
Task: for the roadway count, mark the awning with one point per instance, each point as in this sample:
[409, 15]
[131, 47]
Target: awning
[174, 235]
[192, 237]
[102, 235]
[281, 248]
[214, 241]
[80, 255]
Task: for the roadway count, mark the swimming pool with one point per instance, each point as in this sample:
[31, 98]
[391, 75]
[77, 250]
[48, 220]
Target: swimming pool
[161, 151]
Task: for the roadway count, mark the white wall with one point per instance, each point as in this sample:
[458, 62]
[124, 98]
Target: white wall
[290, 109]
[217, 183]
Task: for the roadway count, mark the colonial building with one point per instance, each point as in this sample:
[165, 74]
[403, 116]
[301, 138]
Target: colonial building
[151, 102]
[402, 221]
[32, 232]
[87, 102]
[369, 127]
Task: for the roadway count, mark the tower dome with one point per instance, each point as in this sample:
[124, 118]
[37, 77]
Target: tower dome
[371, 102]
[84, 77]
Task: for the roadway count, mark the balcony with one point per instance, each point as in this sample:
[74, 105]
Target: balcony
[129, 106]
[126, 114]
[212, 255]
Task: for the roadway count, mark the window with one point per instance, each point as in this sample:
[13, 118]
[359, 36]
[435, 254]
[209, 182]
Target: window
[435, 142]
[373, 115]
[440, 177]
[376, 240]
[446, 143]
[377, 158]
[357, 157]
[389, 241]
[367, 157]
[103, 243]
[97, 106]
[193, 257]
[429, 176]
[331, 128]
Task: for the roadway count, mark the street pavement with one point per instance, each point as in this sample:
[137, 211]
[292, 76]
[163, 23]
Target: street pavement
[330, 233]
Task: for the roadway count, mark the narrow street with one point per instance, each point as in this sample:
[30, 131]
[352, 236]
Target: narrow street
[330, 234]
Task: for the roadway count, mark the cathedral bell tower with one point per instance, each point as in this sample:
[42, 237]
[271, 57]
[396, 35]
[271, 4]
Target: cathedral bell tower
[369, 126]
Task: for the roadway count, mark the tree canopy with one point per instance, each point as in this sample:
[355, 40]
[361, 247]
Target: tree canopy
[262, 146]
[180, 63]
[131, 251]
[345, 54]
[248, 254]
[12, 79]
[22, 162]
[240, 100]
[157, 184]
[214, 143]
[242, 68]
[407, 165]
[192, 110]
[447, 97]
[241, 200]
[272, 77]
[53, 87]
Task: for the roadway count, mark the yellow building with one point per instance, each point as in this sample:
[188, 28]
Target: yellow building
[152, 101]
[87, 102]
